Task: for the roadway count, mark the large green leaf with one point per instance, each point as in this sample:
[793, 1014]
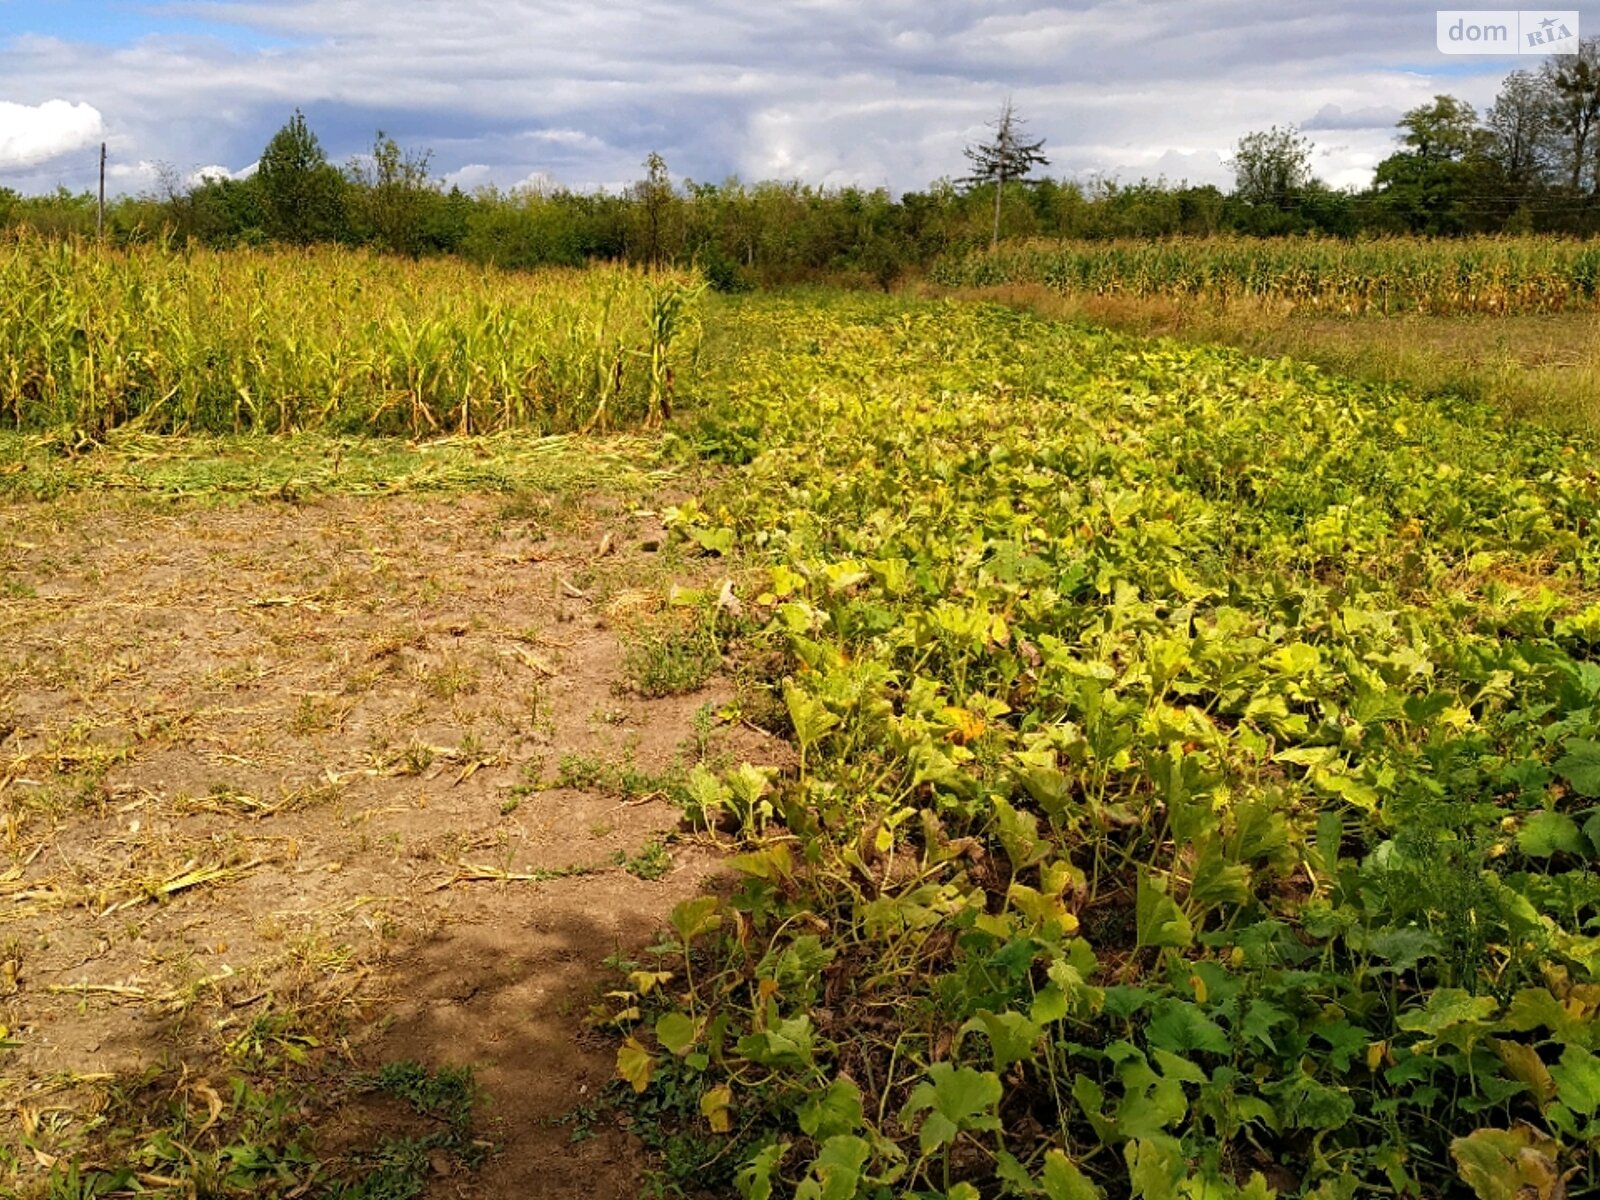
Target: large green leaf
[1304, 1103]
[950, 1100]
[1157, 918]
[1548, 833]
[754, 1179]
[834, 1110]
[1063, 1181]
[787, 1044]
[835, 1174]
[1580, 767]
[1181, 1027]
[1577, 1078]
[1012, 1036]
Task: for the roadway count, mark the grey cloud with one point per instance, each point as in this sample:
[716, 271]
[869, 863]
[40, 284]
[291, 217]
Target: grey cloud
[1373, 116]
[870, 92]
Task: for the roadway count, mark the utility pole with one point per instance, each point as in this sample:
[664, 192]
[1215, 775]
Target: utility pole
[100, 213]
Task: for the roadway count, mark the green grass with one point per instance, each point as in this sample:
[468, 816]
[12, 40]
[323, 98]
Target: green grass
[262, 1141]
[650, 864]
[216, 469]
[674, 662]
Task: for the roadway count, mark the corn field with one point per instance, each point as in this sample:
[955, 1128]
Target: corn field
[1512, 275]
[168, 340]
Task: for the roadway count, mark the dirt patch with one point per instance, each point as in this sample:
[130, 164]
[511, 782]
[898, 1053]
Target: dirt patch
[363, 771]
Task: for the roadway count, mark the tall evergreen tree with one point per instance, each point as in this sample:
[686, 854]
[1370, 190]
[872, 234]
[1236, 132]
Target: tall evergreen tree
[1009, 155]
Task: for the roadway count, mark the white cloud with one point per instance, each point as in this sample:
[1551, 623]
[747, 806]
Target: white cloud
[536, 181]
[1195, 167]
[470, 177]
[133, 175]
[207, 174]
[37, 133]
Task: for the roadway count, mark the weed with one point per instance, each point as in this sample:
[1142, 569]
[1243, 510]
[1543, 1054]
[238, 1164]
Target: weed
[652, 863]
[447, 1094]
[671, 663]
[582, 772]
[452, 678]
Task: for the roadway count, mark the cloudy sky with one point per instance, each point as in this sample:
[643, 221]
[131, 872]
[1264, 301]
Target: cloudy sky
[872, 92]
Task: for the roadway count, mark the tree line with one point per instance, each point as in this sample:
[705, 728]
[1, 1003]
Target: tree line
[1529, 164]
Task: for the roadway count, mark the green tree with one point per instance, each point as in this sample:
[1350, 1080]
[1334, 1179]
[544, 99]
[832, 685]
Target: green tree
[654, 196]
[1446, 178]
[395, 196]
[301, 194]
[1572, 83]
[1271, 166]
[1518, 124]
[1445, 130]
[1008, 155]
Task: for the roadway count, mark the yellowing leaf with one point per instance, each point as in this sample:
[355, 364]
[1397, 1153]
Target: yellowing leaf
[1508, 1164]
[635, 1064]
[715, 1106]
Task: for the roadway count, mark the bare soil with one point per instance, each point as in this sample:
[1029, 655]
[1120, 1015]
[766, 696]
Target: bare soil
[340, 778]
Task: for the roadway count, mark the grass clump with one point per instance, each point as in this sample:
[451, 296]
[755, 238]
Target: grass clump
[671, 662]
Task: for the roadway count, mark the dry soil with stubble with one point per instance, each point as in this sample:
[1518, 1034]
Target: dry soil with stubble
[337, 778]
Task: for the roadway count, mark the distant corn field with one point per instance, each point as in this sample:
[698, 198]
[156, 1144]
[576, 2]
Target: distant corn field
[1512, 275]
[272, 341]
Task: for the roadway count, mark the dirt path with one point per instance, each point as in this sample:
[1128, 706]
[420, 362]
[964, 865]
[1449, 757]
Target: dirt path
[271, 774]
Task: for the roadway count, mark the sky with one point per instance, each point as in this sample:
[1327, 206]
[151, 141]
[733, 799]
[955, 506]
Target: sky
[876, 93]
